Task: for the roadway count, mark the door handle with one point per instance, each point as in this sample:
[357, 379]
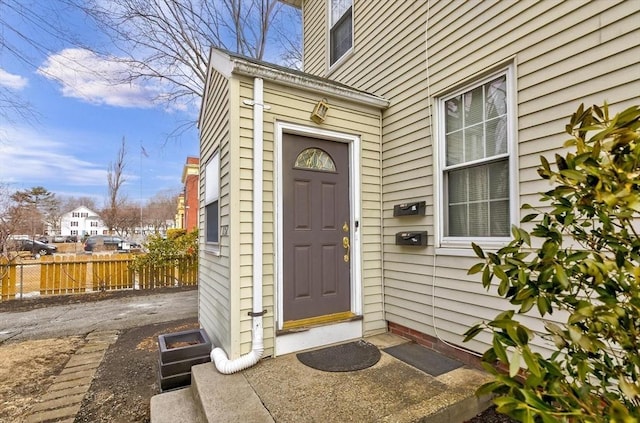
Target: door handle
[345, 244]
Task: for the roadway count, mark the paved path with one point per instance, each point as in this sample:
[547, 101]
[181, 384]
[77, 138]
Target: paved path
[62, 400]
[83, 318]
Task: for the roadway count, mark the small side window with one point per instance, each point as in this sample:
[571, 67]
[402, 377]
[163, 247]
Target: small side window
[212, 195]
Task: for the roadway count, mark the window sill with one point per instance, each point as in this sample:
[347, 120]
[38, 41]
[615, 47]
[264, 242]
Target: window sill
[455, 252]
[212, 249]
[464, 249]
[338, 63]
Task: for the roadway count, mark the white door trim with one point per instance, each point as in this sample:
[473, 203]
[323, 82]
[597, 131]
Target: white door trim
[354, 205]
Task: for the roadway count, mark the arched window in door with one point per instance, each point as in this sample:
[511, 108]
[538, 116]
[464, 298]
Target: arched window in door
[315, 159]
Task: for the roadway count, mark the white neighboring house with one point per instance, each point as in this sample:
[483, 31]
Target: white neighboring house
[82, 221]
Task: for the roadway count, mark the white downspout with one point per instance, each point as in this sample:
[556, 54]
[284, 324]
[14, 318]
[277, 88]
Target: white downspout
[218, 356]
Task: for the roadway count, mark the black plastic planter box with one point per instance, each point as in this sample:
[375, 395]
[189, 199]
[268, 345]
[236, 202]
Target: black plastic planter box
[178, 352]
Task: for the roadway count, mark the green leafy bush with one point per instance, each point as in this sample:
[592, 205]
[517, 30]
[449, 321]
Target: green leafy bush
[169, 251]
[581, 259]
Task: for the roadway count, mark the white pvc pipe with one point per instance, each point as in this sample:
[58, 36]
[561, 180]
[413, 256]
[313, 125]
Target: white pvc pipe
[218, 356]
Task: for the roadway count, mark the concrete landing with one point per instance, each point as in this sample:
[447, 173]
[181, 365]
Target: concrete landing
[283, 390]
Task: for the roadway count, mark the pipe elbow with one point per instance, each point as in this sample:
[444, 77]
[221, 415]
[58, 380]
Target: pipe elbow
[226, 366]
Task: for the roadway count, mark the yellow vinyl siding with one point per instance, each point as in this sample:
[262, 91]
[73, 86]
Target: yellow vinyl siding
[315, 37]
[232, 301]
[295, 106]
[215, 296]
[564, 53]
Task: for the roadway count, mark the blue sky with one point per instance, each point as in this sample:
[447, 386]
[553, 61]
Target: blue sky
[81, 121]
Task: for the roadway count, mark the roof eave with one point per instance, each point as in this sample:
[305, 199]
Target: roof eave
[294, 3]
[298, 80]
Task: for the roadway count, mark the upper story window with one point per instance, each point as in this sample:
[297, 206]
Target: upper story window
[340, 29]
[74, 223]
[476, 156]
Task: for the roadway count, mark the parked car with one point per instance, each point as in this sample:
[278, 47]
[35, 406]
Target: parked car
[34, 247]
[65, 238]
[110, 243]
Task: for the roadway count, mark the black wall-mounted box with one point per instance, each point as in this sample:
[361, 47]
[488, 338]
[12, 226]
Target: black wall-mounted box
[418, 239]
[410, 209]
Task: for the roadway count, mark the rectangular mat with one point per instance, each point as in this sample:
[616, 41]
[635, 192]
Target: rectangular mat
[422, 358]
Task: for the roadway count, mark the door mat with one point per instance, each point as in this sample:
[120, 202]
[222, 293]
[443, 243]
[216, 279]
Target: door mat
[348, 357]
[422, 358]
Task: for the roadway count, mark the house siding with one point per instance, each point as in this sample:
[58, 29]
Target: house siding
[215, 284]
[563, 54]
[286, 104]
[226, 278]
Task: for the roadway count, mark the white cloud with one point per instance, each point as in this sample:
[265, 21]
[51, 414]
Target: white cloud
[12, 81]
[31, 158]
[96, 79]
[66, 163]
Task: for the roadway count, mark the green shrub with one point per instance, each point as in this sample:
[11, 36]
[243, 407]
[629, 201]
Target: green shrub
[581, 257]
[168, 251]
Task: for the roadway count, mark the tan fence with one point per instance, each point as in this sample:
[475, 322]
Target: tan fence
[68, 274]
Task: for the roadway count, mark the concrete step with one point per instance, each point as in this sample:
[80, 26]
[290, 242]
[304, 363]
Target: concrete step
[212, 397]
[226, 398]
[174, 406]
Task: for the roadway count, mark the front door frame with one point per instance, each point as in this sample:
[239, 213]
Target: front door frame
[354, 206]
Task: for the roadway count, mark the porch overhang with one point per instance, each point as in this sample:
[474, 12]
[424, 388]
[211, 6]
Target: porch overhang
[229, 64]
[295, 3]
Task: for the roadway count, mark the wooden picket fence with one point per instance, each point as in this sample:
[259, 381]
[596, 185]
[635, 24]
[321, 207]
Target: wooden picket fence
[55, 275]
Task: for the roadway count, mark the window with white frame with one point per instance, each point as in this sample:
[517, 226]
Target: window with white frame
[340, 29]
[475, 153]
[74, 223]
[212, 195]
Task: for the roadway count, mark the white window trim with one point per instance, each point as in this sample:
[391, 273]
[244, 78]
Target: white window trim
[461, 246]
[210, 197]
[349, 52]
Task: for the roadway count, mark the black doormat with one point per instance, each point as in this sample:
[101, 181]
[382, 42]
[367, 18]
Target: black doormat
[348, 357]
[422, 358]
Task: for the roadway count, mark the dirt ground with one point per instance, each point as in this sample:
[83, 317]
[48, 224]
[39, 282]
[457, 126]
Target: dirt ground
[124, 382]
[27, 369]
[127, 377]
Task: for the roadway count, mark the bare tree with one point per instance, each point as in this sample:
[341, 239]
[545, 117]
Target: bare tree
[169, 40]
[160, 209]
[7, 220]
[69, 203]
[129, 219]
[115, 200]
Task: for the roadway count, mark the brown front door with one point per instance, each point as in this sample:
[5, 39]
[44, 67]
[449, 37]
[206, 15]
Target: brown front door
[316, 239]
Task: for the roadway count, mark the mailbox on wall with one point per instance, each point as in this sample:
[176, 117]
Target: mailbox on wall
[418, 239]
[410, 209]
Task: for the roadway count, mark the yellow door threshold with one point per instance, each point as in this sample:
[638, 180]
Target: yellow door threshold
[305, 324]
